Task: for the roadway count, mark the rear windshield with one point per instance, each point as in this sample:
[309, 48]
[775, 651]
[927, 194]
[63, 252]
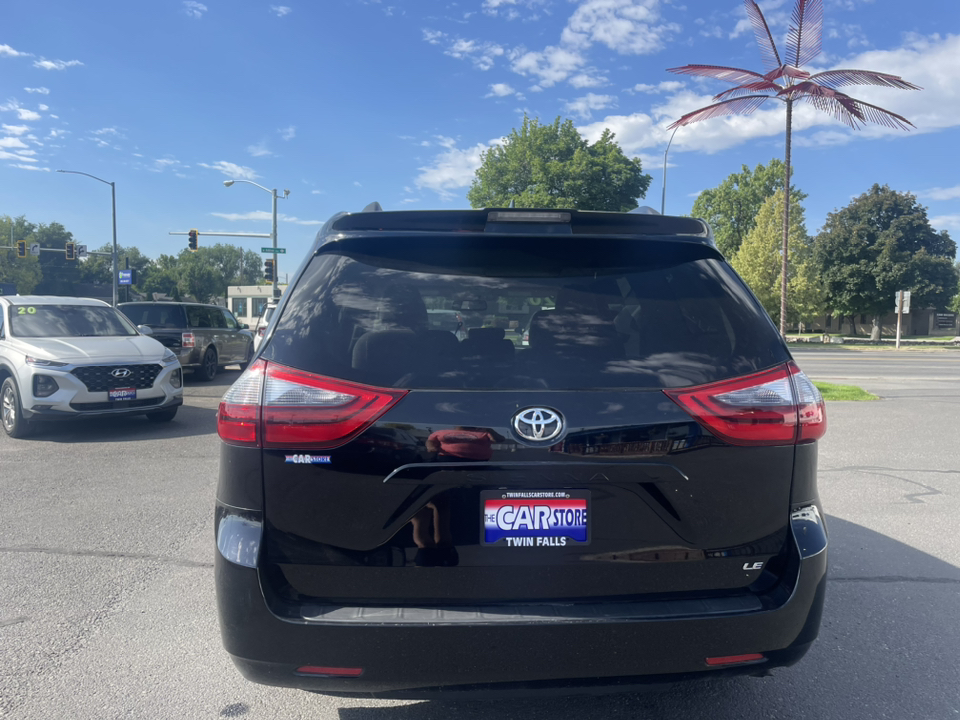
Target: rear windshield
[155, 316]
[510, 313]
[67, 321]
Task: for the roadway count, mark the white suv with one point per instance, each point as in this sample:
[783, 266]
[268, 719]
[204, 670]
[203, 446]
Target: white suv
[65, 357]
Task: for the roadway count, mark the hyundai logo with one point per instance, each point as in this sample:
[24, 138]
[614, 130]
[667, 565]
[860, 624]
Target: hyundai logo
[538, 424]
[121, 373]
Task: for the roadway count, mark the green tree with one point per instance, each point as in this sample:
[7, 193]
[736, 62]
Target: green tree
[60, 275]
[25, 273]
[880, 243]
[198, 276]
[786, 81]
[98, 269]
[731, 208]
[161, 276]
[552, 166]
[758, 262]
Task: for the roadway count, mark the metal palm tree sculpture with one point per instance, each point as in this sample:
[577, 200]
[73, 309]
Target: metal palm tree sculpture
[785, 81]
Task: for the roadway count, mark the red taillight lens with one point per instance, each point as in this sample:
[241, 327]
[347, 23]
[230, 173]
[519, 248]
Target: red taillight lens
[260, 331]
[303, 410]
[238, 420]
[775, 407]
[187, 340]
[735, 659]
[274, 406]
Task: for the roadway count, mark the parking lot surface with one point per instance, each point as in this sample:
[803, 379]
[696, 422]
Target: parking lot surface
[106, 588]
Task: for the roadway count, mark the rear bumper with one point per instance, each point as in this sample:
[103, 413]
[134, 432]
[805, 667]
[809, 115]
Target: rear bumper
[490, 657]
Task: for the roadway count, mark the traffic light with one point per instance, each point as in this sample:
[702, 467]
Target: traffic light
[70, 251]
[21, 248]
[268, 270]
[192, 243]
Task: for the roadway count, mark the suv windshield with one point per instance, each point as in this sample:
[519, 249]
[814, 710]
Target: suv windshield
[634, 314]
[68, 321]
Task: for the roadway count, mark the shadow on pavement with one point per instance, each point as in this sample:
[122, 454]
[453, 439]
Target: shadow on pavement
[190, 421]
[888, 647]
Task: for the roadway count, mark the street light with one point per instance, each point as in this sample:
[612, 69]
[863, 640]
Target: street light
[273, 232]
[113, 195]
[663, 199]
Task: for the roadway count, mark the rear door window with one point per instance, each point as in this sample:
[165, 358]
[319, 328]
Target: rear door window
[485, 315]
[155, 316]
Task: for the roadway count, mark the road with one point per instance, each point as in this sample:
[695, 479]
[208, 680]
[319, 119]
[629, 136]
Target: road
[106, 594]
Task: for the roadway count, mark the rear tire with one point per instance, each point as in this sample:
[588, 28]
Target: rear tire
[163, 415]
[11, 411]
[208, 365]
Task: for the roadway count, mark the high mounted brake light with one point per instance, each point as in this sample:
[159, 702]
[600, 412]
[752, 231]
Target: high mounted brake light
[521, 216]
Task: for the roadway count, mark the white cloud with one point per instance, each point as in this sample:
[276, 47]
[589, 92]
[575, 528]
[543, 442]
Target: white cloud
[433, 36]
[112, 131]
[43, 108]
[356, 183]
[12, 142]
[39, 90]
[586, 80]
[15, 129]
[451, 170]
[259, 150]
[4, 155]
[549, 66]
[55, 64]
[665, 86]
[281, 10]
[950, 223]
[584, 106]
[57, 133]
[318, 192]
[22, 113]
[500, 90]
[232, 170]
[288, 133]
[7, 51]
[194, 9]
[265, 216]
[167, 163]
[482, 54]
[937, 193]
[29, 167]
[629, 27]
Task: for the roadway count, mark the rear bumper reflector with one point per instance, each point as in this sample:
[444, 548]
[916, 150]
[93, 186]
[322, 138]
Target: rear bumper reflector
[735, 659]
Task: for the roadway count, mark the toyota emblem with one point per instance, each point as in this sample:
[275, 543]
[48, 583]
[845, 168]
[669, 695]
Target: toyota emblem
[538, 424]
[121, 373]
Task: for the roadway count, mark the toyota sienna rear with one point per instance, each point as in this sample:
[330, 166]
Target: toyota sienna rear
[604, 477]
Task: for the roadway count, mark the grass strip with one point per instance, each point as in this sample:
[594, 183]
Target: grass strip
[849, 393]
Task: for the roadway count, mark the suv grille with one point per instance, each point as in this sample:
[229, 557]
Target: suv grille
[98, 378]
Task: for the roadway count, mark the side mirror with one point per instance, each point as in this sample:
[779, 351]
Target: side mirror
[145, 329]
[244, 326]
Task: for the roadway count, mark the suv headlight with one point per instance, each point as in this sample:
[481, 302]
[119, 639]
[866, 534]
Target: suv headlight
[40, 362]
[168, 357]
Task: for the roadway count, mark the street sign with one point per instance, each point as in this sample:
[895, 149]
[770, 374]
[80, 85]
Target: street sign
[81, 251]
[35, 249]
[126, 277]
[906, 301]
[280, 251]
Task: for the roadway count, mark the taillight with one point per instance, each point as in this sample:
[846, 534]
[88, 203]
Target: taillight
[260, 331]
[303, 410]
[187, 340]
[274, 406]
[238, 419]
[775, 407]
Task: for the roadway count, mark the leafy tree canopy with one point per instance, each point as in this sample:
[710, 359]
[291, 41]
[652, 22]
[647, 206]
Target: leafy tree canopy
[880, 243]
[25, 272]
[731, 208]
[758, 261]
[552, 166]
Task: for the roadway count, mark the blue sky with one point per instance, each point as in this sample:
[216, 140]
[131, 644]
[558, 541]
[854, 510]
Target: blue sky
[347, 101]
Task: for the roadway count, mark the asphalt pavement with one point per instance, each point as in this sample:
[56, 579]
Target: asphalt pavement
[106, 583]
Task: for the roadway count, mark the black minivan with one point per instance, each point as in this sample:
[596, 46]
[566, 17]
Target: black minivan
[628, 496]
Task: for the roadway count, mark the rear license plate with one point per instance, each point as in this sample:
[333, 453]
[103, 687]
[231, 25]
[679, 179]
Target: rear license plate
[121, 394]
[535, 518]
